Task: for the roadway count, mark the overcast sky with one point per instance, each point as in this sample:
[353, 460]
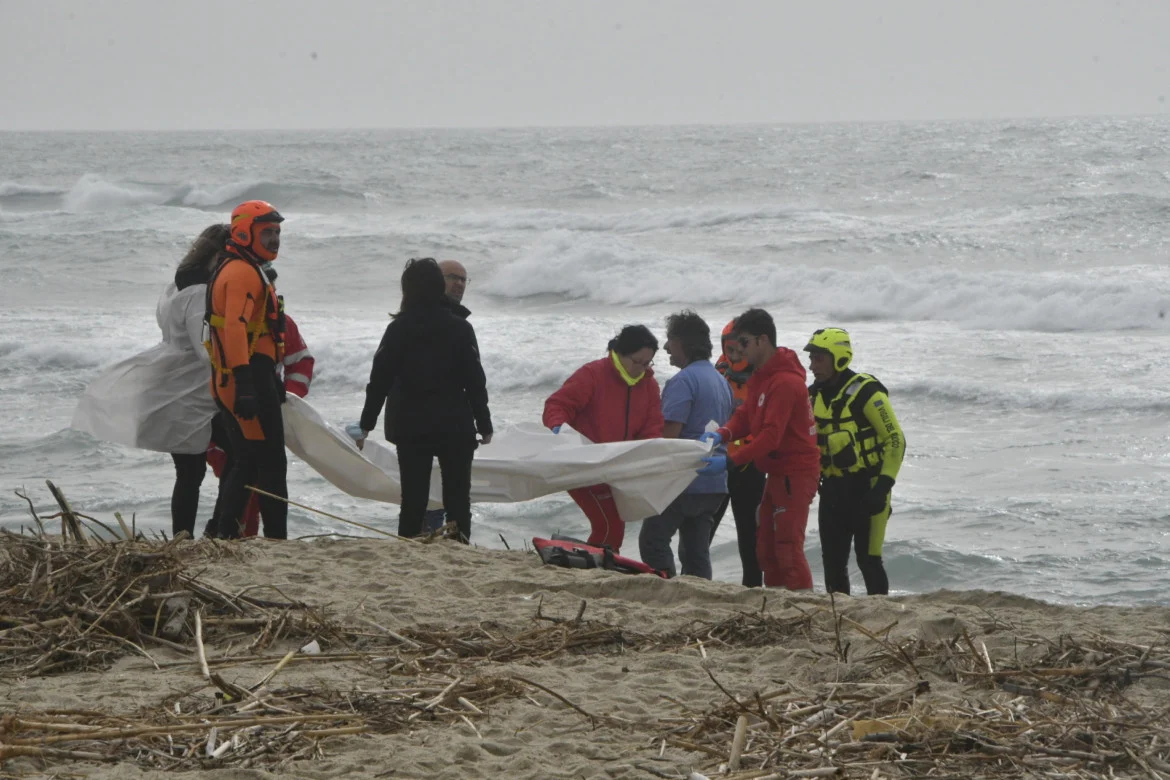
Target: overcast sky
[194, 64]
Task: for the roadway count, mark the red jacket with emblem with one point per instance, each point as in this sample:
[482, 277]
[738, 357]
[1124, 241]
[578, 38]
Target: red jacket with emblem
[778, 415]
[598, 403]
[298, 361]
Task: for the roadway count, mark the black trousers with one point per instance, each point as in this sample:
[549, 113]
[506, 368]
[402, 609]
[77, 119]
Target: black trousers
[415, 459]
[745, 490]
[190, 468]
[262, 464]
[844, 522]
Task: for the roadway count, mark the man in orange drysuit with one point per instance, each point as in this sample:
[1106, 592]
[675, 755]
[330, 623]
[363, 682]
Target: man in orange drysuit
[297, 375]
[246, 342]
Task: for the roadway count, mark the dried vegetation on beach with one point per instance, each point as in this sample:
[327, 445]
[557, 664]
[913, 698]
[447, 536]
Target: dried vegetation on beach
[891, 705]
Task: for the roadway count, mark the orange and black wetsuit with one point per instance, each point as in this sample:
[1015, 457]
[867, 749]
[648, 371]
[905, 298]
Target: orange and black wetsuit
[246, 344]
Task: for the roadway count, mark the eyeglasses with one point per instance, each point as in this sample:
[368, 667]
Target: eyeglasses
[456, 278]
[643, 363]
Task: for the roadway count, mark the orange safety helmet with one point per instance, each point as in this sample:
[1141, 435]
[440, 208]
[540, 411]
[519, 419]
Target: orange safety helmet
[247, 218]
[728, 332]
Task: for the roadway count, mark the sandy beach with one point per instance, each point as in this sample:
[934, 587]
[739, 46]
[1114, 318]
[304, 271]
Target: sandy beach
[580, 674]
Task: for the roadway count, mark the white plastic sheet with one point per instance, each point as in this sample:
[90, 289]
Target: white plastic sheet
[520, 464]
[159, 399]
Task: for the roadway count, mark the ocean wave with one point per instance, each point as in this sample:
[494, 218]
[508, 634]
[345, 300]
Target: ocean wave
[788, 227]
[10, 189]
[995, 582]
[608, 269]
[1090, 208]
[638, 221]
[94, 193]
[911, 175]
[344, 366]
[923, 566]
[952, 393]
[32, 364]
[287, 196]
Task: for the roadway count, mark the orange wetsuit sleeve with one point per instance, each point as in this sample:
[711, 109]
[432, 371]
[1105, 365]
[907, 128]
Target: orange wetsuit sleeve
[242, 293]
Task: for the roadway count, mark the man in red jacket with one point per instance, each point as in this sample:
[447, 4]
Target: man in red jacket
[779, 418]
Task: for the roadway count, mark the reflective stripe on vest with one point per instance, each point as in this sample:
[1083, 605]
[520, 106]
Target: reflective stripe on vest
[847, 444]
[253, 328]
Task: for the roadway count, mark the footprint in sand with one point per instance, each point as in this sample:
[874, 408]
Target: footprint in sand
[358, 555]
[941, 628]
[468, 753]
[500, 749]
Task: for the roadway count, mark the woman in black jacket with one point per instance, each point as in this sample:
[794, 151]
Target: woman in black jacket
[432, 354]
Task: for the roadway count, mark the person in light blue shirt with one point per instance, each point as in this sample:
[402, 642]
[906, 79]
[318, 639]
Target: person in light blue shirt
[694, 397]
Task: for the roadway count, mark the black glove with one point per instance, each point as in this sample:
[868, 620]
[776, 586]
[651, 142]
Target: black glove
[245, 406]
[875, 499]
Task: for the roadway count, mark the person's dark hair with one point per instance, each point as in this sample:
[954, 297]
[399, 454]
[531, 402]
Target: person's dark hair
[207, 249]
[422, 285]
[633, 338]
[756, 322]
[694, 333]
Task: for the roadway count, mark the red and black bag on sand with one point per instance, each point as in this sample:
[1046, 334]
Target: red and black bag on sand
[575, 554]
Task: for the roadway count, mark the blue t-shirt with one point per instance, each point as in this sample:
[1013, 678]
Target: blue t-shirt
[695, 396]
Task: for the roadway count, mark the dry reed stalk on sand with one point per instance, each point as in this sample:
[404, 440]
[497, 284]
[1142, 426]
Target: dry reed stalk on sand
[1051, 707]
[241, 728]
[69, 606]
[1064, 713]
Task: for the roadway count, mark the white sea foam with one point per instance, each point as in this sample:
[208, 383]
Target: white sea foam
[610, 269]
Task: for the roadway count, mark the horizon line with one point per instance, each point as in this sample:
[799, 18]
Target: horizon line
[612, 125]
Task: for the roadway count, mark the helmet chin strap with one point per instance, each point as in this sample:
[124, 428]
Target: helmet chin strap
[249, 254]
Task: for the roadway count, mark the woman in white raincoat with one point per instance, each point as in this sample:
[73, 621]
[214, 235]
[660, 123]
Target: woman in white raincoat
[161, 399]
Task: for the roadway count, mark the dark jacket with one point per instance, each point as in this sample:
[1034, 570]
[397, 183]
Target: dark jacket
[430, 358]
[394, 395]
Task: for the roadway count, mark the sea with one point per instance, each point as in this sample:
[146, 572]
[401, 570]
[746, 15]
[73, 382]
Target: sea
[1006, 280]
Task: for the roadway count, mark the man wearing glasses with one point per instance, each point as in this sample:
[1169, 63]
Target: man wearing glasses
[778, 416]
[455, 275]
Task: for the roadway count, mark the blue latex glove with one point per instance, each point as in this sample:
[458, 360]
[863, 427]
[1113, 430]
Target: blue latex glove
[711, 436]
[716, 464]
[355, 431]
[556, 429]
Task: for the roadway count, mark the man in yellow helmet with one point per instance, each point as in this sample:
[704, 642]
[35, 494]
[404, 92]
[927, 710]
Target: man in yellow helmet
[861, 447]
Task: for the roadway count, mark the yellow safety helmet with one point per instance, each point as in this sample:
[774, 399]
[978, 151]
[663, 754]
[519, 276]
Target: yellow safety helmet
[833, 341]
